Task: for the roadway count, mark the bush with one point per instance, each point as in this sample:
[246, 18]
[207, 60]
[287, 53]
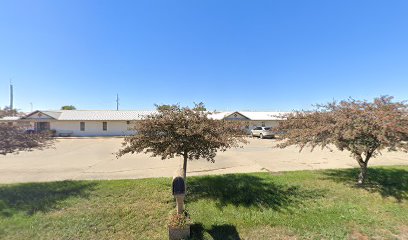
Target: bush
[179, 220]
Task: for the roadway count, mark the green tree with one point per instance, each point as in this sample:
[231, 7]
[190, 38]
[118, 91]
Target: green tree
[68, 107]
[185, 132]
[7, 111]
[360, 127]
[166, 107]
[200, 107]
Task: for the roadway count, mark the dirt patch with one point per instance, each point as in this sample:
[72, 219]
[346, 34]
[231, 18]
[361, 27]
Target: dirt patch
[356, 235]
[269, 233]
[403, 235]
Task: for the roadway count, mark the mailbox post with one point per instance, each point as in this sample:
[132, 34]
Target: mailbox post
[179, 192]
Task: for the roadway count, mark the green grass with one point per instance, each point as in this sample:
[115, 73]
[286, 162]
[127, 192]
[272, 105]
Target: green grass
[293, 205]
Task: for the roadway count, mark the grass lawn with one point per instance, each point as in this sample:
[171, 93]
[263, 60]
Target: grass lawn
[294, 205]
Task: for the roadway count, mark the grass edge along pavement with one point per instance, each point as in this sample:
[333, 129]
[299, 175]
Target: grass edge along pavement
[288, 205]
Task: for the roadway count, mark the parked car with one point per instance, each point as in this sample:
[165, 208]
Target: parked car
[262, 132]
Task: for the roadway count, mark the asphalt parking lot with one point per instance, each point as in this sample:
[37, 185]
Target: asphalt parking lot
[94, 158]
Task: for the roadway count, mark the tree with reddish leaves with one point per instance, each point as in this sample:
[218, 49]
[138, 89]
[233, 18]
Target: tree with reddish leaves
[363, 128]
[13, 139]
[185, 132]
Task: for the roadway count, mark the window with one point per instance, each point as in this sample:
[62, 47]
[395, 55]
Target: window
[42, 126]
[104, 126]
[263, 124]
[82, 126]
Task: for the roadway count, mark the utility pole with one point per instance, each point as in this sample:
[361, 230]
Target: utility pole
[117, 102]
[11, 95]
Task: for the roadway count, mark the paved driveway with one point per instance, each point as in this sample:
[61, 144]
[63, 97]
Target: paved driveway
[93, 158]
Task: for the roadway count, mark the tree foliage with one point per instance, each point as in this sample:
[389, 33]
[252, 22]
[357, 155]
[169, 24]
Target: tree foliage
[68, 107]
[200, 107]
[166, 107]
[361, 127]
[13, 138]
[182, 131]
[7, 111]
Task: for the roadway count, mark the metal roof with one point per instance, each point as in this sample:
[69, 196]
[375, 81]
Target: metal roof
[257, 116]
[10, 118]
[97, 115]
[219, 115]
[53, 114]
[128, 115]
[263, 115]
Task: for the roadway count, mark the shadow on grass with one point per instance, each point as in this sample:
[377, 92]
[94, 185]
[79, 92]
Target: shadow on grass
[389, 182]
[217, 232]
[248, 191]
[29, 198]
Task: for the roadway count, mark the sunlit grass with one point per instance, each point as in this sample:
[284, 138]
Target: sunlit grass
[294, 205]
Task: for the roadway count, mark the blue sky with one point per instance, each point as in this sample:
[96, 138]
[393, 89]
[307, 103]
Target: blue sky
[232, 55]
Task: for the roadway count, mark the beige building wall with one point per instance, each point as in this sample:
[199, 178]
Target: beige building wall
[269, 123]
[93, 128]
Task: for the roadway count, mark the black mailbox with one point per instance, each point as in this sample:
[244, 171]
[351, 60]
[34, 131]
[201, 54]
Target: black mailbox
[179, 187]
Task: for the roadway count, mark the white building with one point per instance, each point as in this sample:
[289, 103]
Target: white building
[252, 119]
[85, 122]
[14, 120]
[120, 123]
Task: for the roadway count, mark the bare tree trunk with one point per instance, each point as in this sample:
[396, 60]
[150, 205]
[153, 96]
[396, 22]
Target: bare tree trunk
[363, 168]
[185, 171]
[185, 166]
[363, 173]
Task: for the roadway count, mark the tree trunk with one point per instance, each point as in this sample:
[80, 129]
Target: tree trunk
[185, 155]
[185, 166]
[363, 174]
[363, 168]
